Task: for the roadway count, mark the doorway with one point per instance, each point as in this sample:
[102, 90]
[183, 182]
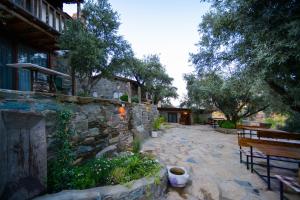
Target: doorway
[172, 117]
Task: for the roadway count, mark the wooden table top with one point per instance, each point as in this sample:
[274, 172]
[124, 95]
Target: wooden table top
[256, 128]
[272, 150]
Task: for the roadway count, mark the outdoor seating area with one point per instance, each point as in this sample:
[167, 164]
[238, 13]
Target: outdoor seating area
[276, 152]
[40, 84]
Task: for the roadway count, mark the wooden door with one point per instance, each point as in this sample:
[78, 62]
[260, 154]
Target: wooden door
[23, 155]
[172, 117]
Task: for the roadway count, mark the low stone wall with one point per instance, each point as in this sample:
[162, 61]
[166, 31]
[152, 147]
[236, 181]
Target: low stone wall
[226, 131]
[96, 122]
[145, 188]
[143, 116]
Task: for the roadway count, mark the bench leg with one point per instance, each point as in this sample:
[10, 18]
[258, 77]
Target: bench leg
[268, 172]
[281, 190]
[251, 158]
[241, 158]
[247, 162]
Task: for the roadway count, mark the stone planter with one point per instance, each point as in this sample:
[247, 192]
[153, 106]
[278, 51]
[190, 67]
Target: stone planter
[144, 188]
[154, 134]
[178, 176]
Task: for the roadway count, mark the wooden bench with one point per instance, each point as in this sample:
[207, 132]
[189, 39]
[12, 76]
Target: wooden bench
[271, 149]
[289, 182]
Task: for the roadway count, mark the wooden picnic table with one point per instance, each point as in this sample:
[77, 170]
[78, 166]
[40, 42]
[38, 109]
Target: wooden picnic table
[271, 133]
[281, 148]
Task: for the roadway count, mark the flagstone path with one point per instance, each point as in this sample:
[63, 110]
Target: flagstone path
[212, 160]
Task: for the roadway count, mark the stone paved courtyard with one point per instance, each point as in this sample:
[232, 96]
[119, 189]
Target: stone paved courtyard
[212, 159]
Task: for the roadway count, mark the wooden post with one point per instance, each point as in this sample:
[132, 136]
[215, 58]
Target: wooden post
[40, 9]
[15, 73]
[73, 82]
[140, 94]
[129, 92]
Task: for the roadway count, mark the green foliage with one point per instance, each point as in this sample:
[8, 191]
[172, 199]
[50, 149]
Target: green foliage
[104, 171]
[124, 97]
[257, 37]
[136, 146]
[135, 99]
[292, 124]
[94, 47]
[151, 76]
[276, 120]
[59, 169]
[236, 95]
[157, 123]
[227, 124]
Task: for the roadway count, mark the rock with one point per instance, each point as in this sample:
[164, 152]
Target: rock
[85, 100]
[93, 132]
[84, 149]
[174, 196]
[73, 194]
[107, 151]
[233, 190]
[89, 140]
[206, 189]
[77, 161]
[114, 140]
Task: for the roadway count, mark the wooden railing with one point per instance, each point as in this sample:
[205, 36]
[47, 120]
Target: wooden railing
[44, 12]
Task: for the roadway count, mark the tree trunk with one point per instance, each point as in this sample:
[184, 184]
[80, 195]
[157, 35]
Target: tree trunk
[73, 81]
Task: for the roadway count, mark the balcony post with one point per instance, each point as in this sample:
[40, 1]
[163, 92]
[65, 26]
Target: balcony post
[40, 9]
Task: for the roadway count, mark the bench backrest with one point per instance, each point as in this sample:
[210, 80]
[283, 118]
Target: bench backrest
[275, 135]
[246, 142]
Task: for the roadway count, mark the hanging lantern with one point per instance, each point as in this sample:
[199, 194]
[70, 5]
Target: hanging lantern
[122, 111]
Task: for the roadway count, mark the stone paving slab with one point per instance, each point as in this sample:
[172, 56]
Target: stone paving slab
[213, 162]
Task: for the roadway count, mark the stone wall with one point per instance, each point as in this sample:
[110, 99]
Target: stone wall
[141, 189]
[96, 122]
[111, 89]
[143, 116]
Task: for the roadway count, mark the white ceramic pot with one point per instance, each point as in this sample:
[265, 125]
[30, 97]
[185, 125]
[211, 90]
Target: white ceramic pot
[154, 134]
[178, 176]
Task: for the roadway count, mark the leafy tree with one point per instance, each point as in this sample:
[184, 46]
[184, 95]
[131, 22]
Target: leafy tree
[261, 37]
[151, 76]
[94, 46]
[235, 95]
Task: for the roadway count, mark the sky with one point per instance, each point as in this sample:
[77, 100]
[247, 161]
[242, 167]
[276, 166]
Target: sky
[168, 28]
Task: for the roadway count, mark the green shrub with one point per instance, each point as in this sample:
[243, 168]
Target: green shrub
[109, 171]
[124, 98]
[226, 124]
[135, 99]
[276, 120]
[59, 169]
[162, 120]
[136, 145]
[292, 124]
[157, 123]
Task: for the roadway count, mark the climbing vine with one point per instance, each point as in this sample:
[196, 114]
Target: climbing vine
[60, 169]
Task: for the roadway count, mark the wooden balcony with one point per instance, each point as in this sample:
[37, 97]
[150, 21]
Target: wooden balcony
[34, 22]
[43, 11]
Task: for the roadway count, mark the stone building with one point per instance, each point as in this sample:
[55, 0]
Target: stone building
[115, 87]
[185, 116]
